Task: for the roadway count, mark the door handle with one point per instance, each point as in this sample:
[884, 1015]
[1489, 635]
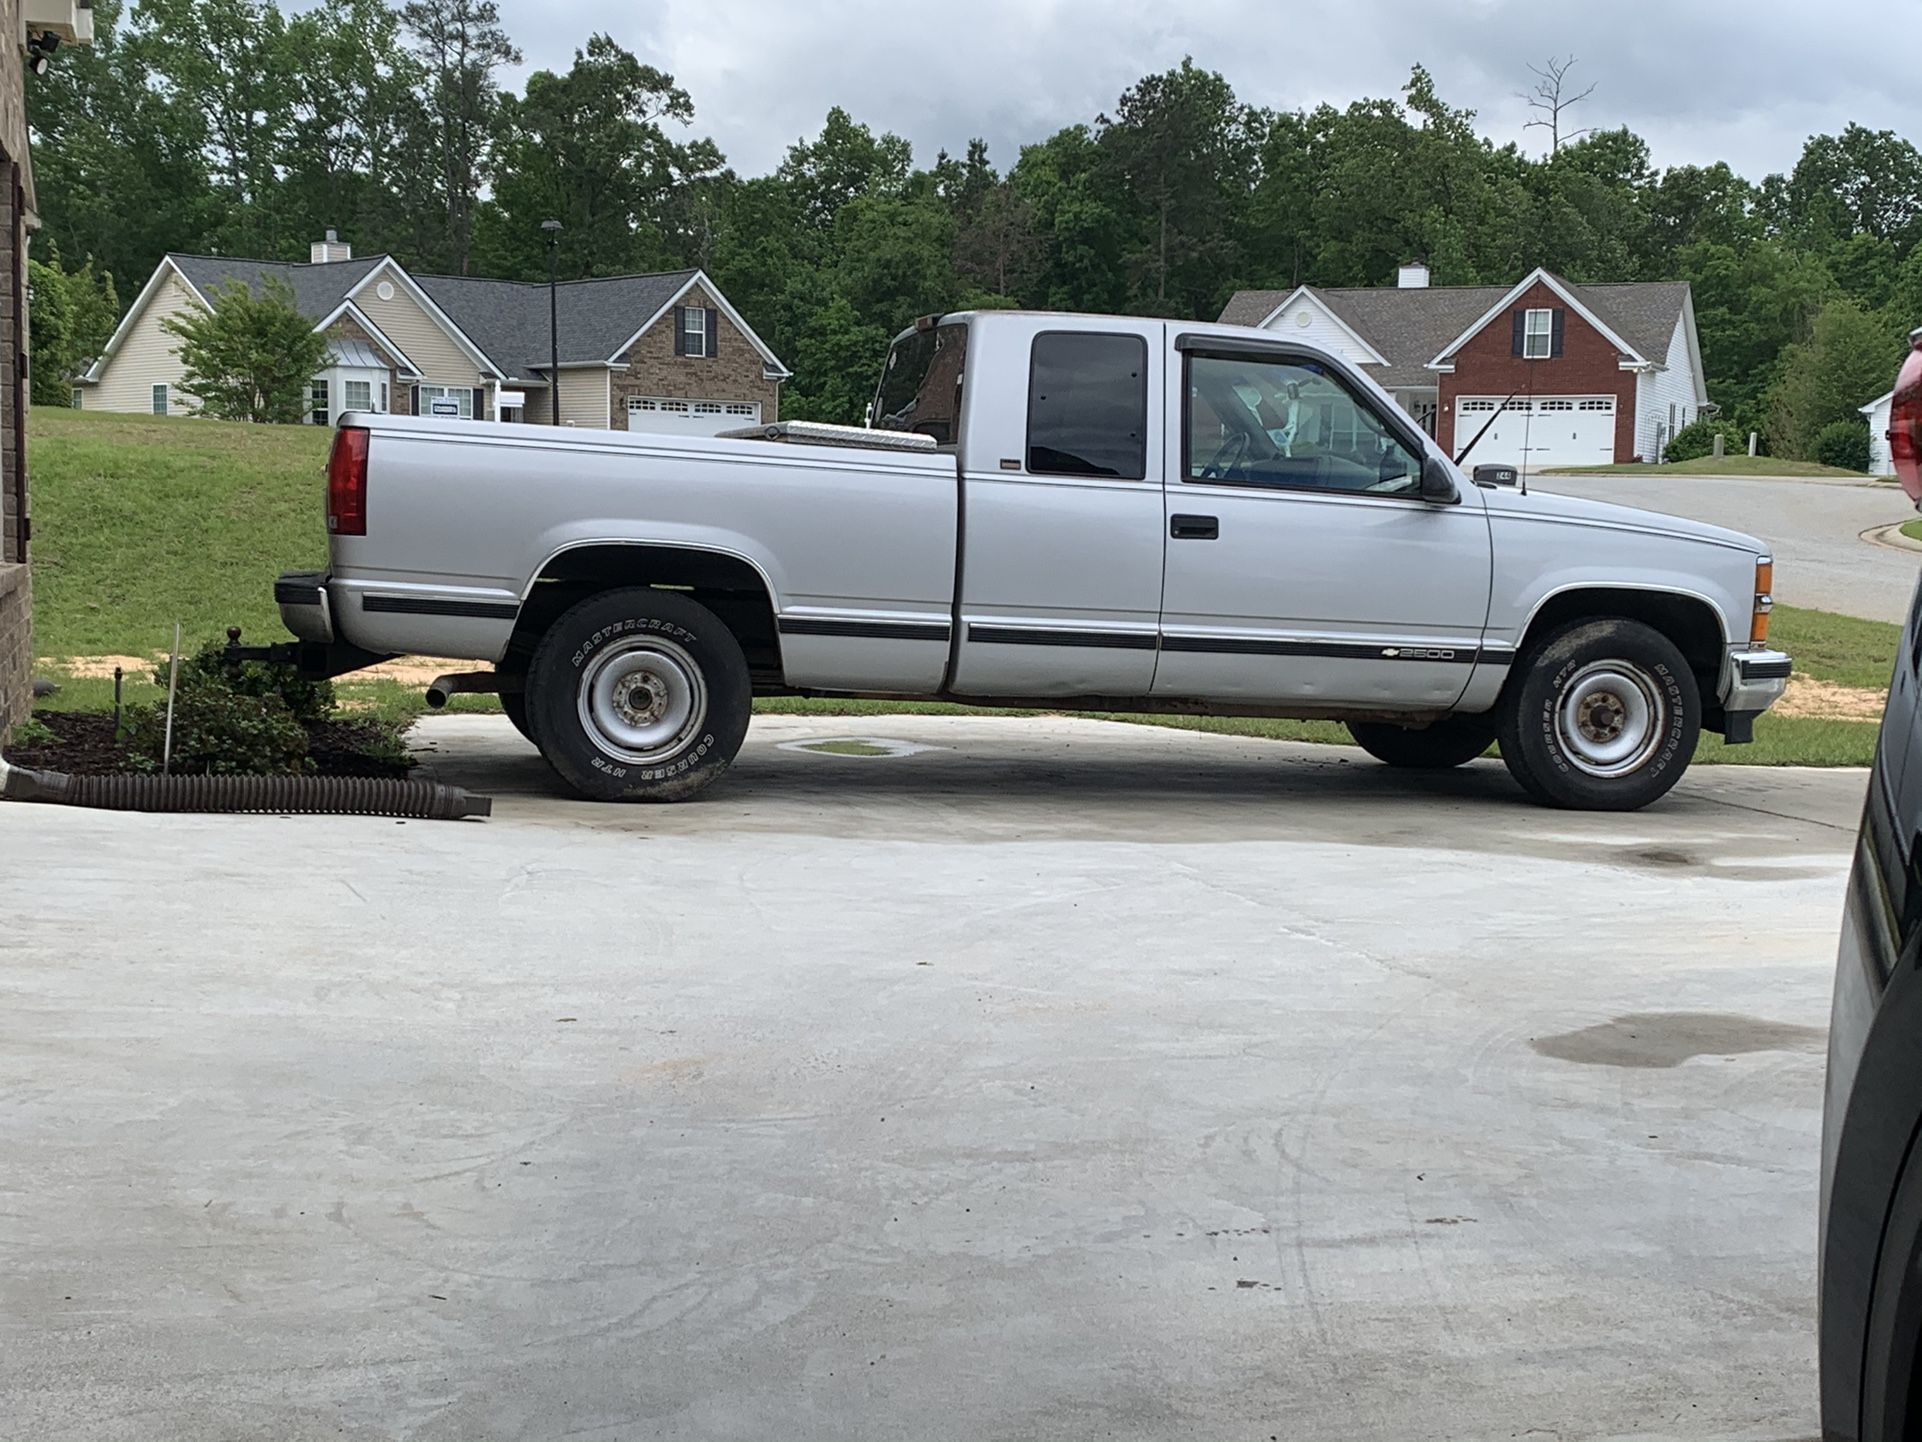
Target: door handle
[1194, 528]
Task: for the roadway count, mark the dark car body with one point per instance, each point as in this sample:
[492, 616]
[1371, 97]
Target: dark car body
[1871, 1251]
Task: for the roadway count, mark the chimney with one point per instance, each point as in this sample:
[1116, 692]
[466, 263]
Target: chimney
[1413, 274]
[332, 248]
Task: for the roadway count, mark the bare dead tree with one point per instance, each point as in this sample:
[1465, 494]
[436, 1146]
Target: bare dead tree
[1550, 99]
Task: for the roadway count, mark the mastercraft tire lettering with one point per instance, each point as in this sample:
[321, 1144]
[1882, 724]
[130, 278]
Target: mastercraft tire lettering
[1600, 716]
[638, 695]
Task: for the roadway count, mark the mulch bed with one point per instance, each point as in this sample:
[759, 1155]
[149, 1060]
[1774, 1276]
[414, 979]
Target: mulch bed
[85, 746]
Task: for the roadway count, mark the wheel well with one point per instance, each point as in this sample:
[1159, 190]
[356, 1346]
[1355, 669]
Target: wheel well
[728, 586]
[1688, 621]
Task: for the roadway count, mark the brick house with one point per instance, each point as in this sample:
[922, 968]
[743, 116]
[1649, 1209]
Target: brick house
[1559, 374]
[663, 352]
[35, 29]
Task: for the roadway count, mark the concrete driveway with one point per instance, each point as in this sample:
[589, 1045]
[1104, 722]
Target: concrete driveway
[1057, 1078]
[1814, 527]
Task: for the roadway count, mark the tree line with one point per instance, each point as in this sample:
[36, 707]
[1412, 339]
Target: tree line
[227, 126]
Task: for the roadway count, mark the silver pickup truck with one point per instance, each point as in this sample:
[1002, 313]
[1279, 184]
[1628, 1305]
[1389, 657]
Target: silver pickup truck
[1079, 512]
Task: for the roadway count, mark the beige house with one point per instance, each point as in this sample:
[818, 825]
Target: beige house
[637, 352]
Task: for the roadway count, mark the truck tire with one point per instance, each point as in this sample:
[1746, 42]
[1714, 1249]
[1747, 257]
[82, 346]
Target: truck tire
[1451, 741]
[1600, 716]
[638, 695]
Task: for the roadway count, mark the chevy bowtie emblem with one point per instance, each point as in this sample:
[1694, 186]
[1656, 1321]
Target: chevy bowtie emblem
[1391, 651]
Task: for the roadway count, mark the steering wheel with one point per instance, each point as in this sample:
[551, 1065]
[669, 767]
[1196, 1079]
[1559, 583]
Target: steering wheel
[1233, 451]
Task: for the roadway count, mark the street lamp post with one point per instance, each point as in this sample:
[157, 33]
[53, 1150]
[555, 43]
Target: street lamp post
[552, 229]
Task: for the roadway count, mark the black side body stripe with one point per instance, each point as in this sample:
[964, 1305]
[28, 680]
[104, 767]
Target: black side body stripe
[430, 606]
[869, 630]
[1047, 636]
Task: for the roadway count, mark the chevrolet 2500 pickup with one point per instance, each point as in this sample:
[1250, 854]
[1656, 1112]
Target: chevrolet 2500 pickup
[1085, 512]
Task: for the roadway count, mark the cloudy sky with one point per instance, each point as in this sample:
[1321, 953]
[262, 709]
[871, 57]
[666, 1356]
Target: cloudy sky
[1699, 79]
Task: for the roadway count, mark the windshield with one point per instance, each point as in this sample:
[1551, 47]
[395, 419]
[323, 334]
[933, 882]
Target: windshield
[920, 388]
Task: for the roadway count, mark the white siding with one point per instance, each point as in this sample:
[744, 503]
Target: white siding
[1321, 329]
[1881, 463]
[1655, 393]
[587, 396]
[426, 341]
[148, 356]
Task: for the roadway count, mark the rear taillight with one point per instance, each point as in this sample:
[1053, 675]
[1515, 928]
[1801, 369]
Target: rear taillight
[1905, 421]
[347, 483]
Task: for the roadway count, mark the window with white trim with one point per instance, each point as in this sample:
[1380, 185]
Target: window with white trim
[741, 408]
[1538, 334]
[317, 400]
[357, 395]
[1477, 405]
[695, 326]
[77, 394]
[708, 408]
[1604, 404]
[1557, 405]
[160, 400]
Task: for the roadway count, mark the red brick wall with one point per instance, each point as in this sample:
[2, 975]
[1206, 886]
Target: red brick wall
[1589, 365]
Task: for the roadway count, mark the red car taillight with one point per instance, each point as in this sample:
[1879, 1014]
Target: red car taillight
[1905, 420]
[347, 483]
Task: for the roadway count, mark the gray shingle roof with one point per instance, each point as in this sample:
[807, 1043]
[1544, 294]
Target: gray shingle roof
[1410, 327]
[317, 288]
[508, 318]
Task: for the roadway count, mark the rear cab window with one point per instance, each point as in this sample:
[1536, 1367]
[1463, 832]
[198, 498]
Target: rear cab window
[1088, 405]
[920, 388]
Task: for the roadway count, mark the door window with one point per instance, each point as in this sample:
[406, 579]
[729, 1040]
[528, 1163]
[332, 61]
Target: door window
[1289, 423]
[1088, 405]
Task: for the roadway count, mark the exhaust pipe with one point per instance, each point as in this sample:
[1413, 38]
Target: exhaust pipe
[467, 683]
[281, 795]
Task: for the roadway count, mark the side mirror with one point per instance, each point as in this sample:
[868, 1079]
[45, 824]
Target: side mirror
[1437, 482]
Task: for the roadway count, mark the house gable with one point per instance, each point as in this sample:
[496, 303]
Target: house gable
[736, 369]
[141, 354]
[699, 290]
[350, 322]
[439, 349]
[1484, 364]
[1519, 298]
[1304, 316]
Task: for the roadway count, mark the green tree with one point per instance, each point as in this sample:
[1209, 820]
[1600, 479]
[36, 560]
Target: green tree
[119, 165]
[462, 46]
[1750, 302]
[588, 148]
[1180, 150]
[251, 357]
[844, 161]
[70, 316]
[1849, 358]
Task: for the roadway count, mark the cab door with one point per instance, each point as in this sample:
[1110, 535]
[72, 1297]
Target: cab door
[1302, 563]
[1061, 509]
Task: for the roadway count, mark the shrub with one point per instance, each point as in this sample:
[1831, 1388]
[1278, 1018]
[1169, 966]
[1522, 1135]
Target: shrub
[1697, 438]
[218, 731]
[308, 702]
[1844, 444]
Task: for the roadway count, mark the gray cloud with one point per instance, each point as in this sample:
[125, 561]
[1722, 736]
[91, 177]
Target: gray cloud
[1700, 80]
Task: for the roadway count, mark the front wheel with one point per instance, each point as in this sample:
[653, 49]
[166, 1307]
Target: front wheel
[1602, 716]
[1451, 741]
[638, 695]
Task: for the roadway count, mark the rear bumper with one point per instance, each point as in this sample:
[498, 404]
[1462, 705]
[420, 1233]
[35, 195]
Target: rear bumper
[304, 606]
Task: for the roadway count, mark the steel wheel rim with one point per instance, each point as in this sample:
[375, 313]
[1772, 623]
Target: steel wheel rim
[1610, 718]
[642, 699]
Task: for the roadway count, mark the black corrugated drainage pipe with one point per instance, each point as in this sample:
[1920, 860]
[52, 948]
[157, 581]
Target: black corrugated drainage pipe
[286, 795]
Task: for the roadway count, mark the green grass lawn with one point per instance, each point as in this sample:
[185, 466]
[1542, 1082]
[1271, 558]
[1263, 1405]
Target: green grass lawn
[1913, 529]
[1719, 466]
[141, 521]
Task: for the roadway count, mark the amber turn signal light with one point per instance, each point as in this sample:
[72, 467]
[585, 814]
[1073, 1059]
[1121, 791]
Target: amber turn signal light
[1758, 626]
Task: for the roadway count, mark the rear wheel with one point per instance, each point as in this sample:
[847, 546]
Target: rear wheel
[1450, 741]
[638, 695]
[1602, 716]
[514, 704]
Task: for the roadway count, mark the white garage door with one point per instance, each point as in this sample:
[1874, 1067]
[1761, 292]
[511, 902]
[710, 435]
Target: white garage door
[1547, 431]
[689, 418]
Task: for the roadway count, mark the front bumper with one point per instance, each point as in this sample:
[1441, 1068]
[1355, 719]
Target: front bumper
[1753, 681]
